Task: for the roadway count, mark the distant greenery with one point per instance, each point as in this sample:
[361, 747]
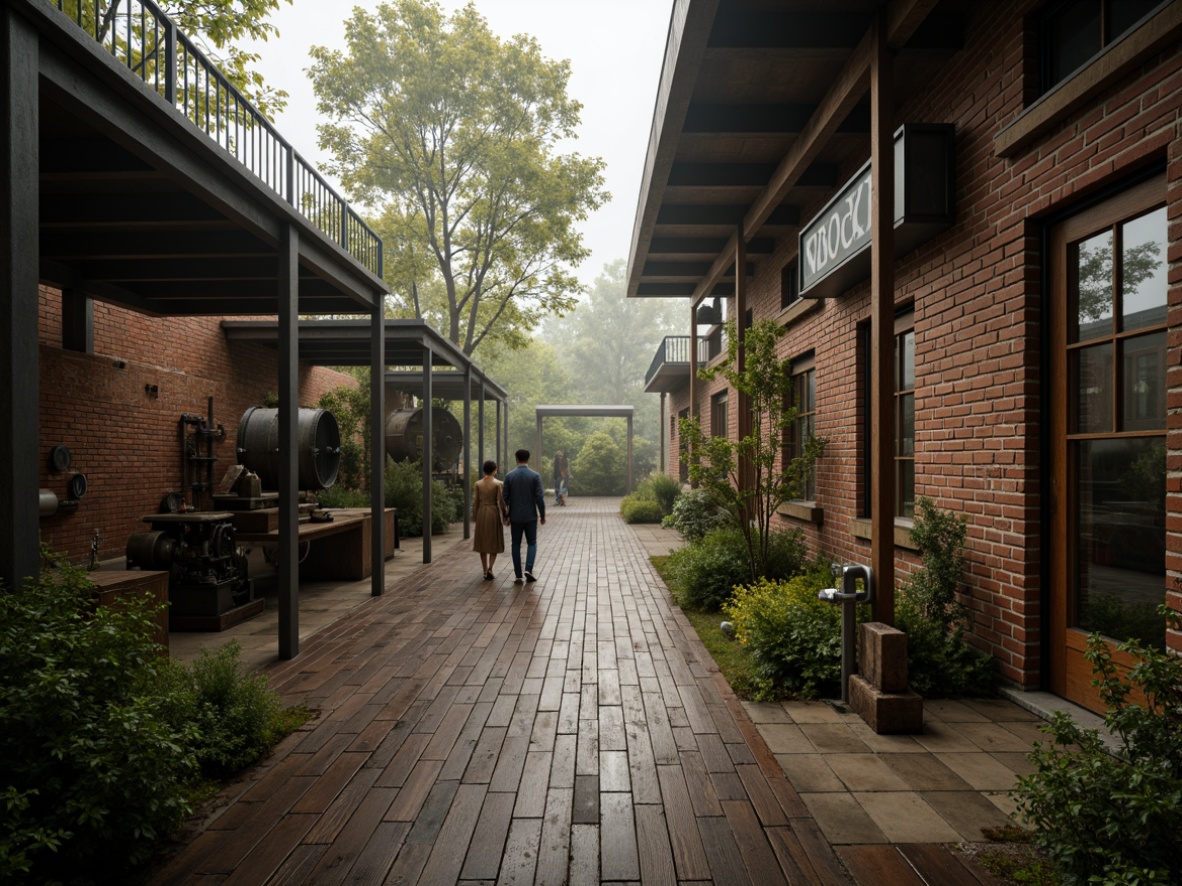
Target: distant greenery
[600, 468]
[635, 510]
[105, 740]
[652, 501]
[404, 491]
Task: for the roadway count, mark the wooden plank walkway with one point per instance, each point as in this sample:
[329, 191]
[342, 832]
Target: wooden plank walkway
[571, 731]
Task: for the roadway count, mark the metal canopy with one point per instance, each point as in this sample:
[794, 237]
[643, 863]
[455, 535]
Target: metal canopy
[134, 174]
[405, 343]
[588, 412]
[762, 110]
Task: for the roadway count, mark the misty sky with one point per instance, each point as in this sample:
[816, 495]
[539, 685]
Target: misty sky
[615, 48]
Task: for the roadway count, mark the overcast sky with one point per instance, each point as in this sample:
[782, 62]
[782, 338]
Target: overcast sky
[615, 48]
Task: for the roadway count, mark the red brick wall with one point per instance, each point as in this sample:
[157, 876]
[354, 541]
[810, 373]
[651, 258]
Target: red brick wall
[977, 297]
[126, 438]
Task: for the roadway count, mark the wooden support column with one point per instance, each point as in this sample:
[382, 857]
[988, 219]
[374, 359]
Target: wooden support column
[20, 379]
[693, 360]
[742, 401]
[377, 443]
[466, 477]
[882, 325]
[428, 429]
[289, 380]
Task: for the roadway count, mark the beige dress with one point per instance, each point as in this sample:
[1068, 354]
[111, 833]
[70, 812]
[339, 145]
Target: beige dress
[489, 535]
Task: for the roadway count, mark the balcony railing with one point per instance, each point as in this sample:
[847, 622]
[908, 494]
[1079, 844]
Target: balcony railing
[140, 35]
[675, 350]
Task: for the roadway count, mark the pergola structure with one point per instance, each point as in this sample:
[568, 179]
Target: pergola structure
[589, 412]
[447, 373]
[132, 172]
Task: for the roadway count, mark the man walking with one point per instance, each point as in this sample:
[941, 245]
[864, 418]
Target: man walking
[527, 504]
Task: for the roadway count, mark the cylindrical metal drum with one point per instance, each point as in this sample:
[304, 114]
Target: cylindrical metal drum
[47, 502]
[318, 446]
[150, 550]
[404, 437]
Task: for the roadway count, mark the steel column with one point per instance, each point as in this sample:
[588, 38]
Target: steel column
[289, 379]
[377, 443]
[19, 273]
[428, 419]
[466, 477]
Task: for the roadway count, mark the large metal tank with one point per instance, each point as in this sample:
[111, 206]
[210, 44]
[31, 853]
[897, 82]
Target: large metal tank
[318, 440]
[404, 438]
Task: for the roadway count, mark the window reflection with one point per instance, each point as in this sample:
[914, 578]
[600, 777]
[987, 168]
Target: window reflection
[1120, 537]
[1143, 271]
[1091, 268]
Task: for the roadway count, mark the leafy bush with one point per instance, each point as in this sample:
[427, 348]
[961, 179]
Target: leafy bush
[637, 510]
[350, 407]
[342, 497]
[694, 515]
[940, 661]
[707, 571]
[233, 712]
[794, 638]
[404, 491]
[601, 466]
[666, 491]
[92, 768]
[1114, 819]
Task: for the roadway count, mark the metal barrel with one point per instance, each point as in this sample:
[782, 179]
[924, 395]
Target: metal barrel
[318, 446]
[404, 437]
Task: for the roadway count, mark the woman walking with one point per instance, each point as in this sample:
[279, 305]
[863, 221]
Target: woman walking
[488, 513]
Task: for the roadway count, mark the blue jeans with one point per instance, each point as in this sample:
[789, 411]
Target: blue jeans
[530, 531]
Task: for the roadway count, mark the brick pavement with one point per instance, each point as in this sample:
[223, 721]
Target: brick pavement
[565, 732]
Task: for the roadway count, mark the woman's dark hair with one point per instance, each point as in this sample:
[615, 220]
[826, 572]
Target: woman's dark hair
[490, 467]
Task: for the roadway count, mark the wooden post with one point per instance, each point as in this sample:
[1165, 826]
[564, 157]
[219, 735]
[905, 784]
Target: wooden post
[882, 326]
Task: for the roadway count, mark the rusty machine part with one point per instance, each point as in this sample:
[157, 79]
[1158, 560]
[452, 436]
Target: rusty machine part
[198, 433]
[206, 574]
[404, 438]
[319, 446]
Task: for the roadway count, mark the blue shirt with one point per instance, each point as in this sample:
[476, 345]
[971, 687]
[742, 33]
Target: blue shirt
[523, 493]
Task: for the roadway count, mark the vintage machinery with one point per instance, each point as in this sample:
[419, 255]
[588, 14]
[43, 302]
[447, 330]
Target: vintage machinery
[207, 577]
[404, 438]
[319, 442]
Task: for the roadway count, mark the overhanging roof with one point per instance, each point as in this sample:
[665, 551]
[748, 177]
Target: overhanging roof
[761, 112]
[589, 411]
[448, 385]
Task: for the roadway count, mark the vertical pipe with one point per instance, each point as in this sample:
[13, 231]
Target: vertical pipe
[19, 274]
[377, 443]
[289, 579]
[882, 308]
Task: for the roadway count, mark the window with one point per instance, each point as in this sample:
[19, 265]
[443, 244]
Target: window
[904, 368]
[789, 286]
[1071, 32]
[718, 416]
[905, 419]
[802, 397]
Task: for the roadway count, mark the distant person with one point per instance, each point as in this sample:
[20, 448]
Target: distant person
[488, 513]
[527, 505]
[561, 477]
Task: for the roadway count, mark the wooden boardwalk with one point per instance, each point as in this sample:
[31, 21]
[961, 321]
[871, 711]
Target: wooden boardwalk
[571, 731]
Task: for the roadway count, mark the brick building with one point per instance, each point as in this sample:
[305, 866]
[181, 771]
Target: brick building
[1006, 340]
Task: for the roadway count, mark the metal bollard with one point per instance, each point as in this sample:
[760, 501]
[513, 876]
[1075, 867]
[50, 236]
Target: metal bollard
[849, 597]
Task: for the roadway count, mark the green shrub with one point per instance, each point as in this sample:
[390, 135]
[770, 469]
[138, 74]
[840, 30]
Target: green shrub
[940, 662]
[233, 711]
[601, 467]
[637, 510]
[794, 638]
[707, 571]
[1105, 818]
[666, 490]
[404, 491]
[92, 769]
[342, 497]
[694, 515]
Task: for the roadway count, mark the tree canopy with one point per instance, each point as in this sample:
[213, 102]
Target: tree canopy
[452, 135]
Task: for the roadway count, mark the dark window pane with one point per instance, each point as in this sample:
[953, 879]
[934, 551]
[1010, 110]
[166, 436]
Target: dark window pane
[1120, 542]
[1091, 381]
[1144, 382]
[905, 488]
[906, 422]
[1143, 271]
[905, 362]
[1123, 14]
[1090, 269]
[1071, 36]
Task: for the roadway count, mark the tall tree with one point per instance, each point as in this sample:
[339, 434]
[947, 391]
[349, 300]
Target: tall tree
[453, 135]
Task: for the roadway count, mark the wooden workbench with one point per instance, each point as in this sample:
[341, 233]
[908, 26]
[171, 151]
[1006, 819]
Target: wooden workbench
[348, 557]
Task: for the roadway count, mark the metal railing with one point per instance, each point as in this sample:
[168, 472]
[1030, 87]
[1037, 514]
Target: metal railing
[675, 349]
[141, 36]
